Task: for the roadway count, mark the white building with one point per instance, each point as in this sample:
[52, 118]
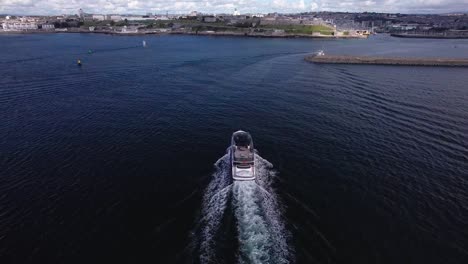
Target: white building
[236, 12]
[115, 18]
[17, 26]
[99, 17]
[48, 26]
[161, 17]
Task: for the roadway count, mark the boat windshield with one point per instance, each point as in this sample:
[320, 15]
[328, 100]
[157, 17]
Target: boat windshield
[242, 139]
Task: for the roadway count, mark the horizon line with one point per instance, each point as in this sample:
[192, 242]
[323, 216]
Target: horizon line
[247, 13]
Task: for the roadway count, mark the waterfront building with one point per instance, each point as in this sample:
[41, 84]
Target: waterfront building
[48, 26]
[18, 26]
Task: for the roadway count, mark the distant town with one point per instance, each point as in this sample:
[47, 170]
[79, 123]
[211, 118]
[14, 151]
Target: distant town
[310, 24]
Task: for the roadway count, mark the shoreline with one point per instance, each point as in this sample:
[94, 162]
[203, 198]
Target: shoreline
[203, 33]
[395, 61]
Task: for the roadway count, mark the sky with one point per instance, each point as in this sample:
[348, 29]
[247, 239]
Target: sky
[53, 7]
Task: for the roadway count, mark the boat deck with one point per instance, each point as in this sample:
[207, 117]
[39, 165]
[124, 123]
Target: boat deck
[243, 154]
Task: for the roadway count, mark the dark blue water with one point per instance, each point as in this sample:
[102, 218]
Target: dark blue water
[113, 161]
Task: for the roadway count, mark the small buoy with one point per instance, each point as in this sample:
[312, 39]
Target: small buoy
[90, 51]
[78, 62]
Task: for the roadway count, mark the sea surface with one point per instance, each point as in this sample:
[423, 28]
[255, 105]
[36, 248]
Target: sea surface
[123, 160]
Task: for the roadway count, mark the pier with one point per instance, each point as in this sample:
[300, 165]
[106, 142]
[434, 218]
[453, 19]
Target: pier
[347, 59]
[452, 34]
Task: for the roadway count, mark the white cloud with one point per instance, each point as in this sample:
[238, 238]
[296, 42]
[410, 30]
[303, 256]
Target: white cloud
[227, 6]
[314, 6]
[391, 6]
[290, 5]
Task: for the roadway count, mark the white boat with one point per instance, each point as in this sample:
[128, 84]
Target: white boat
[319, 53]
[242, 156]
[144, 44]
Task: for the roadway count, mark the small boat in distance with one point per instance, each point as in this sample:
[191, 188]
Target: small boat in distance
[319, 53]
[144, 44]
[242, 156]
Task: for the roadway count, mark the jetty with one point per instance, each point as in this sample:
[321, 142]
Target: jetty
[347, 59]
[450, 34]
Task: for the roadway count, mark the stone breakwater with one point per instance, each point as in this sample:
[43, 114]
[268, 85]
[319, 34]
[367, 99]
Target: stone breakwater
[346, 59]
[449, 35]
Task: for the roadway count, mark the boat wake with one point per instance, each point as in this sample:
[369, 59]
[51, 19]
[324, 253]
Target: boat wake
[253, 207]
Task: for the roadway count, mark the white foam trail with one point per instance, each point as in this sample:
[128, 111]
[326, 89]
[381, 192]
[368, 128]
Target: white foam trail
[273, 210]
[261, 232]
[254, 237]
[262, 235]
[214, 206]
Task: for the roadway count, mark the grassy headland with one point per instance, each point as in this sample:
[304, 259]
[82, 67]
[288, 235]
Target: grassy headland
[248, 27]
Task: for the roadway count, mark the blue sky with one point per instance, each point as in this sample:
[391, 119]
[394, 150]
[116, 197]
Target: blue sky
[227, 6]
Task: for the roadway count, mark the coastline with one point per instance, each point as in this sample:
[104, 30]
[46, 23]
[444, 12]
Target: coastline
[202, 33]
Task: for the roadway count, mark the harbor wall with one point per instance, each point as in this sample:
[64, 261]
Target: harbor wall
[431, 36]
[345, 59]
